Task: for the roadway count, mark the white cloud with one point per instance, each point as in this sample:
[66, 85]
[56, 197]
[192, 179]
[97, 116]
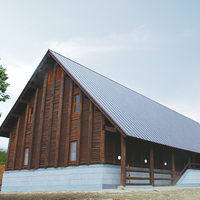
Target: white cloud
[139, 38]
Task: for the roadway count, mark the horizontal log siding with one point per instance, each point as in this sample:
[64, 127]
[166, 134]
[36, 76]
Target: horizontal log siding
[54, 123]
[84, 131]
[63, 147]
[36, 130]
[45, 126]
[20, 140]
[96, 137]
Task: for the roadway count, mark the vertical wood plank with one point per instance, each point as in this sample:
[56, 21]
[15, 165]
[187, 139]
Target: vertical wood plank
[90, 129]
[123, 160]
[102, 142]
[8, 153]
[194, 161]
[132, 150]
[79, 128]
[41, 122]
[114, 151]
[50, 118]
[59, 121]
[151, 165]
[16, 139]
[32, 130]
[173, 168]
[66, 158]
[189, 161]
[24, 136]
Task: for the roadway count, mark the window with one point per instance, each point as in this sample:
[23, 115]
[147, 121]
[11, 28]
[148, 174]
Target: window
[50, 78]
[59, 74]
[26, 154]
[72, 154]
[30, 115]
[76, 101]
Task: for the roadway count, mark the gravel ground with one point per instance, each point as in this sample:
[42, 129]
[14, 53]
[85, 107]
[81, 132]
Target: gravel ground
[154, 193]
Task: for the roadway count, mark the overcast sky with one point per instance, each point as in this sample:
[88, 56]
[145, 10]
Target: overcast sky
[152, 47]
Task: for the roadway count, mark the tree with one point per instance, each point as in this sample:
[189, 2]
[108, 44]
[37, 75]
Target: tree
[3, 154]
[3, 84]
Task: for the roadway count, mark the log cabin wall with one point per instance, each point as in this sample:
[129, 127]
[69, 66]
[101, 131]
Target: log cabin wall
[54, 126]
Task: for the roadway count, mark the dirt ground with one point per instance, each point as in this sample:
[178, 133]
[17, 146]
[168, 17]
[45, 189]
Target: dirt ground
[154, 193]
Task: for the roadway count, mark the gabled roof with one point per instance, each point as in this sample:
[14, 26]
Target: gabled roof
[132, 113]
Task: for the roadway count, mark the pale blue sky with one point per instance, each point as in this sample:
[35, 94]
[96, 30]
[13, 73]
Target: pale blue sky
[151, 47]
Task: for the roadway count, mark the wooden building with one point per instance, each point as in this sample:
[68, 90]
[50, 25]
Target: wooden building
[72, 128]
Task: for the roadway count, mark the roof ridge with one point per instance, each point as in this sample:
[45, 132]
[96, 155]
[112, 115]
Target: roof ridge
[124, 86]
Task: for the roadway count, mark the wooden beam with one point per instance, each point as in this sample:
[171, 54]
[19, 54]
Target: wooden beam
[15, 146]
[90, 129]
[15, 116]
[6, 130]
[49, 129]
[110, 129]
[69, 114]
[151, 165]
[114, 150]
[189, 161]
[24, 136]
[32, 129]
[32, 86]
[41, 122]
[173, 168]
[102, 142]
[59, 121]
[79, 128]
[23, 101]
[123, 160]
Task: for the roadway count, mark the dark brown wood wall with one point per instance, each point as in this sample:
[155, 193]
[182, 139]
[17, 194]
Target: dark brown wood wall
[49, 145]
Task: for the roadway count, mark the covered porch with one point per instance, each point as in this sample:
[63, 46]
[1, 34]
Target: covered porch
[147, 163]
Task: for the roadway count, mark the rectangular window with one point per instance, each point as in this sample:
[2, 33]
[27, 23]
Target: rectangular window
[50, 78]
[72, 155]
[26, 154]
[30, 115]
[76, 101]
[59, 74]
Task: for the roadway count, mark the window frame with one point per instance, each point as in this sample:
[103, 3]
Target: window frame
[30, 116]
[26, 158]
[50, 77]
[70, 151]
[58, 74]
[74, 103]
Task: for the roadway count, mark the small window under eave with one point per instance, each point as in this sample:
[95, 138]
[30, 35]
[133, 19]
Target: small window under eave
[58, 75]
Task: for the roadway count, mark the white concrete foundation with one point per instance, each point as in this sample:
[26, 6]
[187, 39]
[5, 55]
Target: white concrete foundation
[191, 177]
[84, 177]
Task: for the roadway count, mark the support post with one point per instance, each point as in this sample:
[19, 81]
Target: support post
[69, 114]
[16, 139]
[24, 136]
[59, 121]
[123, 160]
[32, 130]
[173, 169]
[41, 123]
[79, 128]
[49, 129]
[189, 161]
[90, 128]
[102, 143]
[151, 165]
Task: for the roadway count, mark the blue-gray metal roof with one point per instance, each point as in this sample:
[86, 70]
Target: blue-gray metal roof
[135, 114]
